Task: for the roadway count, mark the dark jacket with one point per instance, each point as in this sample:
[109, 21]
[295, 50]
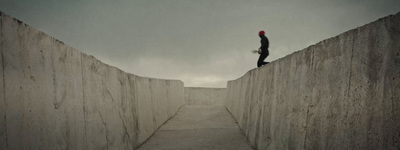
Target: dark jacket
[264, 44]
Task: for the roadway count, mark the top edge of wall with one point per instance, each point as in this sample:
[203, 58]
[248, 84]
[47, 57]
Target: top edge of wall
[2, 15]
[320, 42]
[152, 78]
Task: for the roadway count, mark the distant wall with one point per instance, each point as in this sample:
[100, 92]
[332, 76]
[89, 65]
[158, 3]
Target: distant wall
[204, 96]
[55, 97]
[342, 93]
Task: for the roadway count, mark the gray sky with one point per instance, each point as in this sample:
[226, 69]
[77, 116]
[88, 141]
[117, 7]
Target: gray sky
[204, 43]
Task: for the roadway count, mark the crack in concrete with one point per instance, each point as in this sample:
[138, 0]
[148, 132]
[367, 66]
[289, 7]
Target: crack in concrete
[83, 102]
[55, 103]
[109, 93]
[125, 128]
[120, 116]
[153, 104]
[350, 72]
[136, 110]
[105, 124]
[106, 128]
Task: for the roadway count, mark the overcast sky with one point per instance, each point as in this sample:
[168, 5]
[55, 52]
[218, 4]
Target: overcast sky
[204, 43]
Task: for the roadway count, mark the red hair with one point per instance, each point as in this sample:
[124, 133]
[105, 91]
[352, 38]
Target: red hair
[261, 32]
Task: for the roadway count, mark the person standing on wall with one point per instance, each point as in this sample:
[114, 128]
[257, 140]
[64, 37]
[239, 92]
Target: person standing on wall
[263, 50]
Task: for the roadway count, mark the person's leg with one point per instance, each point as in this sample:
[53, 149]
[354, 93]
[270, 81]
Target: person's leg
[260, 61]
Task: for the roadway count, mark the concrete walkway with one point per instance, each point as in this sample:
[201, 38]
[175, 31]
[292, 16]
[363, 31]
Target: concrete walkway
[199, 127]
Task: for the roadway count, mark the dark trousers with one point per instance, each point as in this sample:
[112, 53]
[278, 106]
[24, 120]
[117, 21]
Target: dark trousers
[260, 61]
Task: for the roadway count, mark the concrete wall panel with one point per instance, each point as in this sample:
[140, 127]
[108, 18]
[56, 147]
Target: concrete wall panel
[265, 124]
[96, 98]
[373, 76]
[67, 116]
[160, 101]
[28, 75]
[205, 96]
[281, 113]
[391, 85]
[327, 108]
[145, 111]
[109, 109]
[341, 93]
[43, 89]
[55, 97]
[302, 81]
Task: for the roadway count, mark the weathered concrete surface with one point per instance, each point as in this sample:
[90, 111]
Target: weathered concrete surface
[107, 97]
[36, 84]
[208, 127]
[342, 93]
[3, 142]
[55, 97]
[204, 96]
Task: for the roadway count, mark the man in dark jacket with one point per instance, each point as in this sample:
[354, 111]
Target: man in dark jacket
[263, 50]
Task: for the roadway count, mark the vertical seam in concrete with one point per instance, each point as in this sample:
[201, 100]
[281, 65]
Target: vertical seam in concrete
[55, 103]
[386, 63]
[395, 136]
[308, 106]
[350, 72]
[136, 114]
[153, 102]
[168, 106]
[4, 83]
[258, 120]
[83, 102]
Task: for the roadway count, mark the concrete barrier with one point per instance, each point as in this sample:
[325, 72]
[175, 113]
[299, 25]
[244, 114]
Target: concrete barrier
[341, 93]
[55, 97]
[204, 96]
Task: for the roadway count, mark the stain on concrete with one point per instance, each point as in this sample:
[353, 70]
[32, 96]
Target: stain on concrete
[32, 78]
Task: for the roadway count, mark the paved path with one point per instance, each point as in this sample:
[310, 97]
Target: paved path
[199, 127]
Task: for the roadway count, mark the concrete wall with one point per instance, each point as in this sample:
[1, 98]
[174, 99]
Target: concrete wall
[55, 97]
[342, 93]
[204, 96]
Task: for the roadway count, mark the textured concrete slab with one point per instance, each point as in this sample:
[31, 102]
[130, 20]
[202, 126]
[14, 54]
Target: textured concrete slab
[374, 77]
[199, 127]
[41, 104]
[106, 95]
[55, 97]
[341, 93]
